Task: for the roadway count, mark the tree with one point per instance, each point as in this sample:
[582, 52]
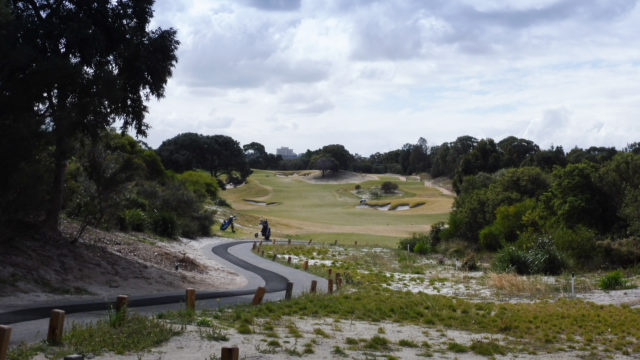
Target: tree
[324, 163]
[256, 155]
[343, 158]
[218, 154]
[74, 68]
[388, 187]
[515, 150]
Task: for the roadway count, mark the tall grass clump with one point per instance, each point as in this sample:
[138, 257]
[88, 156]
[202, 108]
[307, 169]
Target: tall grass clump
[613, 281]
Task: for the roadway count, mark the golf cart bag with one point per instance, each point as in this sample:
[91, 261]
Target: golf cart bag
[266, 230]
[225, 224]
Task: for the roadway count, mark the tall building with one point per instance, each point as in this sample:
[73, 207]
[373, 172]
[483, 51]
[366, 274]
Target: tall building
[286, 153]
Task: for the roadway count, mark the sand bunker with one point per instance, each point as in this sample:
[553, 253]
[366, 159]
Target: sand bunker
[261, 203]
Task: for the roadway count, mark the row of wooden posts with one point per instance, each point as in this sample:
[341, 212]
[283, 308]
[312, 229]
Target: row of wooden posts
[335, 242]
[56, 321]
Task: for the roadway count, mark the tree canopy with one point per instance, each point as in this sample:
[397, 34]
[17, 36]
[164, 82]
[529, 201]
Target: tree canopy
[74, 68]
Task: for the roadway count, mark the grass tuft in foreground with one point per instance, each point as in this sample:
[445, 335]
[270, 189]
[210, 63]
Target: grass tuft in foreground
[118, 334]
[538, 326]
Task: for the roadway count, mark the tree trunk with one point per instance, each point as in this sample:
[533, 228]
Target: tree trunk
[52, 220]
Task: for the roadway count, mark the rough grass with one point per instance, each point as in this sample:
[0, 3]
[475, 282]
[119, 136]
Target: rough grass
[541, 326]
[116, 334]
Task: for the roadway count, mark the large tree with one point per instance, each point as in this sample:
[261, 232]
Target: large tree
[73, 68]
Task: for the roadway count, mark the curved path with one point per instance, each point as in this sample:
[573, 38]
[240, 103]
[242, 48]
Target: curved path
[234, 254]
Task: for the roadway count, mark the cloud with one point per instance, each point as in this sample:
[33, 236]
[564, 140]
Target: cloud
[274, 5]
[548, 128]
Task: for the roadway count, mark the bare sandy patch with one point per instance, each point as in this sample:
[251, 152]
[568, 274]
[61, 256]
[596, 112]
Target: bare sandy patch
[106, 264]
[341, 177]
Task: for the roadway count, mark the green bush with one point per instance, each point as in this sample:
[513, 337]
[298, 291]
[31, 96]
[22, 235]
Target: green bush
[613, 281]
[541, 258]
[165, 224]
[388, 187]
[511, 259]
[418, 243]
[133, 219]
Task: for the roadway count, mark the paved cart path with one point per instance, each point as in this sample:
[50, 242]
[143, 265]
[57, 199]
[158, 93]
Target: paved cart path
[29, 323]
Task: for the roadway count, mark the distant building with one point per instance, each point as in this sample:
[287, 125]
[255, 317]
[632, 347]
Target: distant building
[286, 153]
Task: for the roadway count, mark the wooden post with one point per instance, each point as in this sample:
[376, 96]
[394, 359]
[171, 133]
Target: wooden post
[330, 287]
[273, 241]
[288, 241]
[356, 243]
[314, 284]
[56, 327]
[274, 257]
[191, 299]
[5, 336]
[289, 260]
[260, 243]
[338, 280]
[289, 292]
[257, 297]
[261, 252]
[335, 242]
[329, 271]
[305, 265]
[253, 247]
[309, 242]
[230, 353]
[121, 302]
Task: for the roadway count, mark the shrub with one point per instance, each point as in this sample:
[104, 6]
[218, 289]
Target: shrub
[511, 259]
[613, 281]
[542, 258]
[469, 263]
[222, 202]
[358, 187]
[418, 243]
[165, 224]
[133, 219]
[388, 187]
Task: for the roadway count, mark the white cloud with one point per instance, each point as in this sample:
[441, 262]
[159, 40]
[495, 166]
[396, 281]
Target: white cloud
[374, 75]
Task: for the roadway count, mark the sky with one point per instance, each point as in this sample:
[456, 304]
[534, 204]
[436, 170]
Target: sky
[374, 75]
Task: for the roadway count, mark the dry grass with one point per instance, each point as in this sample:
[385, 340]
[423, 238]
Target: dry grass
[514, 285]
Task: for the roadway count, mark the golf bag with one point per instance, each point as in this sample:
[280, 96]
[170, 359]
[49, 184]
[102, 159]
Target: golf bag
[266, 230]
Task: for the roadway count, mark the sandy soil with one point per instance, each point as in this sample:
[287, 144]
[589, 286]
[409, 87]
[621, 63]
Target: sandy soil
[341, 177]
[106, 264]
[191, 346]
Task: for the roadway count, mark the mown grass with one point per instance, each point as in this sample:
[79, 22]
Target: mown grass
[541, 326]
[305, 208]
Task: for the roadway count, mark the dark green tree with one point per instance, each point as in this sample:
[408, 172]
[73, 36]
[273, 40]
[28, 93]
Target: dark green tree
[515, 150]
[73, 68]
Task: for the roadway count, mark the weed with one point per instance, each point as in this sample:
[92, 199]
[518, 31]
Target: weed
[378, 343]
[487, 348]
[351, 341]
[308, 348]
[244, 329]
[339, 352]
[321, 332]
[457, 348]
[293, 331]
[381, 330]
[212, 333]
[407, 343]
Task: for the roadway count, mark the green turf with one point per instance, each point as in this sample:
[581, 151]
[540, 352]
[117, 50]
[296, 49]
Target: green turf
[304, 209]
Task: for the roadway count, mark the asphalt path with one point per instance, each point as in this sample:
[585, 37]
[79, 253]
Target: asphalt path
[30, 322]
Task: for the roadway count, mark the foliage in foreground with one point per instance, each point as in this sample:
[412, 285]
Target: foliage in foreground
[540, 325]
[117, 334]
